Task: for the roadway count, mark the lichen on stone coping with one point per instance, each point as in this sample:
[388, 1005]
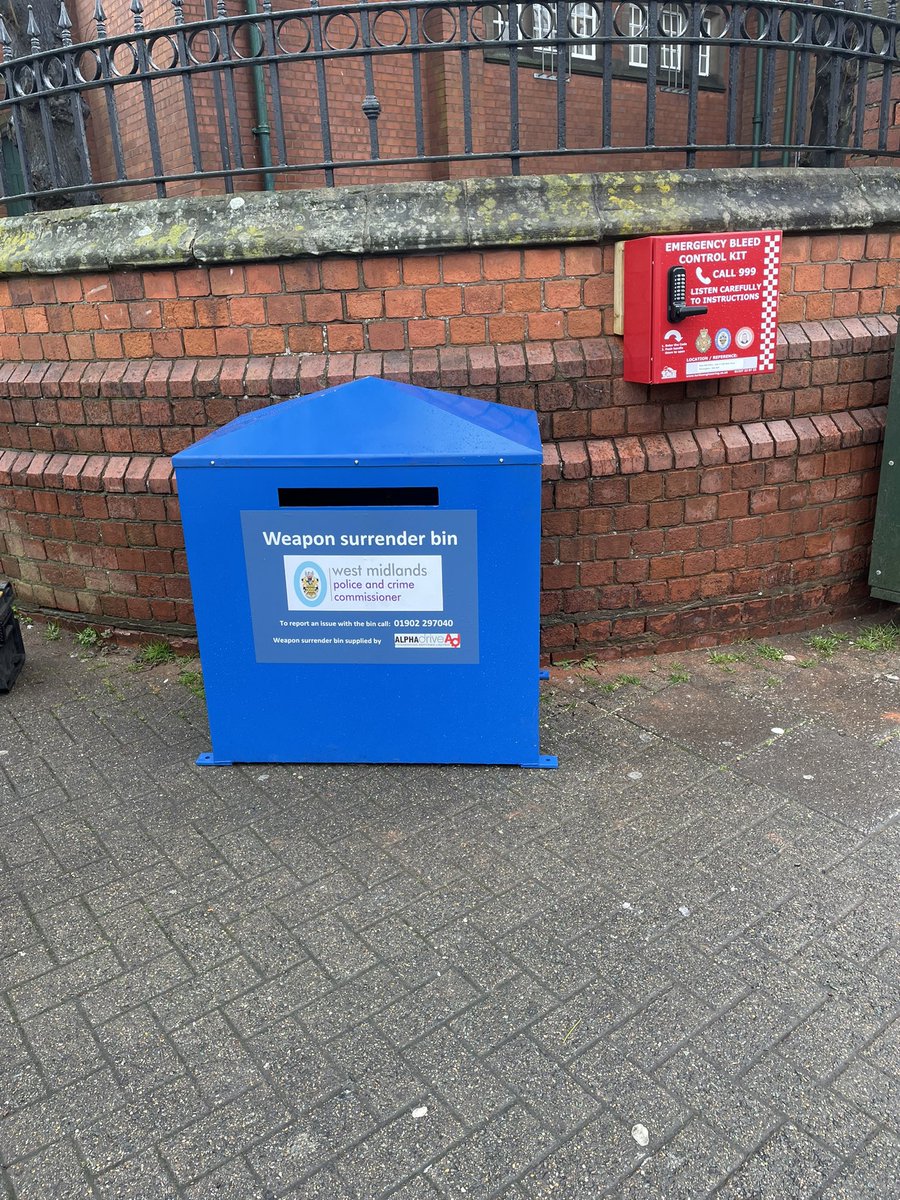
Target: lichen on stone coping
[531, 210]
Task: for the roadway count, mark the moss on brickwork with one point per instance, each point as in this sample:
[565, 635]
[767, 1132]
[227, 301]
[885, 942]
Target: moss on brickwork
[532, 210]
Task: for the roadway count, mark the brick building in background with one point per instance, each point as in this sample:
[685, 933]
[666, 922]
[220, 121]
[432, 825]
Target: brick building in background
[472, 102]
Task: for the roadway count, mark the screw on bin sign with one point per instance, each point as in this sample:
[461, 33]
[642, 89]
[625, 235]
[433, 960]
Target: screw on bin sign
[700, 306]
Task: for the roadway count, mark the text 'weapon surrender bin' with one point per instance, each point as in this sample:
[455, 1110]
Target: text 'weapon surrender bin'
[365, 570]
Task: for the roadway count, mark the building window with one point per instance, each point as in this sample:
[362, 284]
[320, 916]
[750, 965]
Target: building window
[673, 23]
[535, 29]
[538, 21]
[584, 23]
[637, 27]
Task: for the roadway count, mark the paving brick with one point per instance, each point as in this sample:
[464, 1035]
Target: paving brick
[787, 1154]
[190, 1000]
[591, 1162]
[234, 1181]
[470, 1088]
[66, 1047]
[301, 1069]
[50, 988]
[49, 1120]
[436, 1002]
[732, 1107]
[511, 1006]
[871, 1175]
[400, 1148]
[54, 1172]
[550, 1090]
[134, 987]
[311, 1141]
[493, 1154]
[141, 1123]
[213, 1139]
[141, 1178]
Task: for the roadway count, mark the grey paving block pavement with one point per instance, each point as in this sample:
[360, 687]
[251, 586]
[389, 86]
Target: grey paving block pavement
[666, 971]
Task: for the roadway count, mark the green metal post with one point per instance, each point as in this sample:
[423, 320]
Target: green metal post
[757, 109]
[789, 96]
[261, 129]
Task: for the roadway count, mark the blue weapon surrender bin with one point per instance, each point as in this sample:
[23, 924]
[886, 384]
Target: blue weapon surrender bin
[364, 564]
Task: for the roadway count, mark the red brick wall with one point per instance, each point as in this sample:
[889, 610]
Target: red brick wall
[673, 514]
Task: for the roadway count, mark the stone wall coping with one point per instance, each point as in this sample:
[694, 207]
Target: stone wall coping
[531, 210]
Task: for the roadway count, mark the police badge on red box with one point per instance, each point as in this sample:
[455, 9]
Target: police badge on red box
[700, 306]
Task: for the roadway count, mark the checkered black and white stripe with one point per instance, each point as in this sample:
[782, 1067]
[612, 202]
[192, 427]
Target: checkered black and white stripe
[769, 313]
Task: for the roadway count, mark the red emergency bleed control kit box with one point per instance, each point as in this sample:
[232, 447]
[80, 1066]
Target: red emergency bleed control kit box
[698, 306]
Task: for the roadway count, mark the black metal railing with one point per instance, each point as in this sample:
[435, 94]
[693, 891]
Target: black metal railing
[402, 89]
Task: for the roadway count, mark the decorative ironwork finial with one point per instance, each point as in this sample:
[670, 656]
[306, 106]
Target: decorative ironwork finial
[33, 32]
[178, 5]
[5, 41]
[137, 11]
[100, 19]
[64, 25]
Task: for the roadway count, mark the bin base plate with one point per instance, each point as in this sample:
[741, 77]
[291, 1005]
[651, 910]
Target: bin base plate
[544, 761]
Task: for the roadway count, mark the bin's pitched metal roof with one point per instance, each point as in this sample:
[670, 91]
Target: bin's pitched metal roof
[372, 422]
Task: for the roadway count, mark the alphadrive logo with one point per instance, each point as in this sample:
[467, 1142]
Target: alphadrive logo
[310, 586]
[427, 641]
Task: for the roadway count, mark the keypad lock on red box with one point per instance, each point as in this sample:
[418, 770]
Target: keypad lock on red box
[678, 310]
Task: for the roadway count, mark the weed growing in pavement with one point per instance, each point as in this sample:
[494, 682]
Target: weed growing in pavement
[155, 653]
[825, 644]
[771, 653]
[190, 678]
[679, 675]
[772, 681]
[110, 686]
[619, 682]
[87, 638]
[52, 631]
[878, 638]
[723, 658]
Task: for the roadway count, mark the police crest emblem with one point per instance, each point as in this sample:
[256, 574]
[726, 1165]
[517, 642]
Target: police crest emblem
[310, 583]
[704, 341]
